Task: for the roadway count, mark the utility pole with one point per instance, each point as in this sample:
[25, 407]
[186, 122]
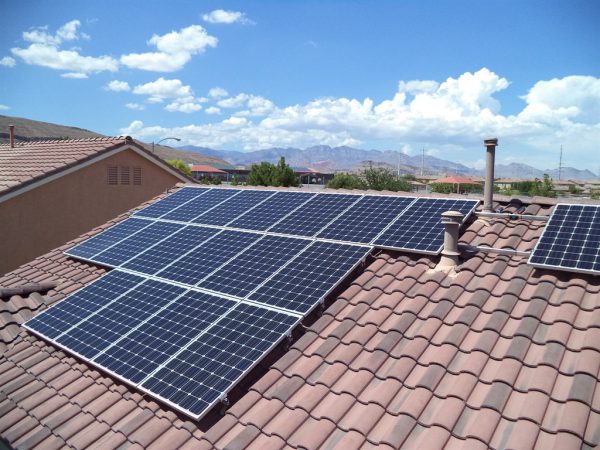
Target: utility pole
[398, 170]
[560, 164]
[422, 160]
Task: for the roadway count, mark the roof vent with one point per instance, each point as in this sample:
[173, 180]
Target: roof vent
[11, 133]
[488, 195]
[450, 253]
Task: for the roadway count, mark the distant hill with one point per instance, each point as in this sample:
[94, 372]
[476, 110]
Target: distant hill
[325, 158]
[26, 130]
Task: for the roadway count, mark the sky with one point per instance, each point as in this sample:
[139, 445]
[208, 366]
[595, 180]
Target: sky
[389, 75]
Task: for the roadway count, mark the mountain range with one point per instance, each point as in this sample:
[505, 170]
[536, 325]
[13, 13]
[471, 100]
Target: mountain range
[319, 157]
[329, 159]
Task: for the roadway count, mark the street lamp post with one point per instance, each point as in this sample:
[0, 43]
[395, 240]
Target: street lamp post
[165, 139]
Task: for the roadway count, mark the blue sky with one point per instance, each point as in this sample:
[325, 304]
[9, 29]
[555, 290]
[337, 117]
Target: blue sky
[400, 75]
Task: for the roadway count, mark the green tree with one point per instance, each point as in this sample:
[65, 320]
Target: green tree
[347, 181]
[215, 180]
[261, 174]
[267, 174]
[180, 165]
[575, 189]
[235, 180]
[379, 179]
[284, 175]
[544, 187]
[441, 188]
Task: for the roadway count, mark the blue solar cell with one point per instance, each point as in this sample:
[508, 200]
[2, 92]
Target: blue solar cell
[419, 227]
[366, 219]
[137, 243]
[201, 261]
[271, 211]
[96, 244]
[172, 201]
[233, 207]
[310, 218]
[571, 240]
[198, 206]
[310, 276]
[72, 310]
[144, 349]
[110, 323]
[164, 253]
[206, 369]
[249, 269]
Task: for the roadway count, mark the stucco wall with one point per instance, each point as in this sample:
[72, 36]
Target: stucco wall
[46, 217]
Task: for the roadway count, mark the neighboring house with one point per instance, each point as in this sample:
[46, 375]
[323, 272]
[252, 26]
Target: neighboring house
[202, 171]
[495, 355]
[52, 191]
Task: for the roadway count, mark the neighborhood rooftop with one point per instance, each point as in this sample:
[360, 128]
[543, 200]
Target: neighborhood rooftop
[493, 354]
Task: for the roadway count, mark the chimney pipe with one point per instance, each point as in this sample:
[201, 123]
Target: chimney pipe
[11, 133]
[488, 195]
[450, 253]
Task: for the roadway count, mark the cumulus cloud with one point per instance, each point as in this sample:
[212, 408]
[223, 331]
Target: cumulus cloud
[181, 96]
[4, 108]
[44, 50]
[175, 49]
[118, 86]
[135, 106]
[226, 17]
[449, 118]
[7, 61]
[212, 110]
[217, 92]
[74, 75]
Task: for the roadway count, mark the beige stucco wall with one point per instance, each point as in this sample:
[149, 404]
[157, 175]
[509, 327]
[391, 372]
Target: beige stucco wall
[48, 216]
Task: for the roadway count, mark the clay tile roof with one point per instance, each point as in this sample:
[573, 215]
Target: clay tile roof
[30, 161]
[206, 169]
[497, 355]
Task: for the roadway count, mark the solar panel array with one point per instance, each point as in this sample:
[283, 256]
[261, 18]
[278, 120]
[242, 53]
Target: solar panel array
[206, 281]
[571, 240]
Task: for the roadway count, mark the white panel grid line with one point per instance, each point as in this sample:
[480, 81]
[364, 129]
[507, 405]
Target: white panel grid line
[393, 221]
[209, 209]
[272, 193]
[94, 313]
[139, 213]
[150, 223]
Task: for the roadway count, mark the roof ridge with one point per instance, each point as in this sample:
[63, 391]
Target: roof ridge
[59, 140]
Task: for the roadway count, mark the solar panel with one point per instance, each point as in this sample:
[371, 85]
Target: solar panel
[137, 354]
[170, 202]
[107, 238]
[366, 219]
[204, 259]
[302, 283]
[232, 208]
[419, 227]
[108, 324]
[311, 217]
[164, 253]
[249, 269]
[72, 310]
[203, 371]
[198, 206]
[571, 240]
[271, 211]
[135, 244]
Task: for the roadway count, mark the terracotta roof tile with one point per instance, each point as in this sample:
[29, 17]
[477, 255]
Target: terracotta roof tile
[500, 354]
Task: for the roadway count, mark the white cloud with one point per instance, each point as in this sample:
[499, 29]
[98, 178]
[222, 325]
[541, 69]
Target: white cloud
[118, 86]
[226, 17]
[4, 108]
[212, 110]
[217, 92]
[175, 50]
[181, 96]
[44, 51]
[74, 75]
[448, 118]
[184, 106]
[7, 61]
[163, 89]
[135, 106]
